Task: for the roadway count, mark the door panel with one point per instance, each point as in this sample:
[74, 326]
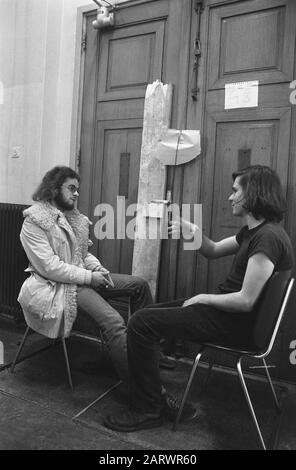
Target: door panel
[124, 60]
[246, 41]
[259, 140]
[117, 166]
[251, 38]
[130, 58]
[143, 46]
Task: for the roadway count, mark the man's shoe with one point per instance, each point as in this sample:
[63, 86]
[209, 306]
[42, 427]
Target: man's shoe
[172, 406]
[131, 421]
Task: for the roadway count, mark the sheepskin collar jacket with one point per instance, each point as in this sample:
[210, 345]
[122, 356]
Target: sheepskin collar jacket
[56, 245]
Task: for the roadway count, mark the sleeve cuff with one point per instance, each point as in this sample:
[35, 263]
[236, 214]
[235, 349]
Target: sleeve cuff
[87, 279]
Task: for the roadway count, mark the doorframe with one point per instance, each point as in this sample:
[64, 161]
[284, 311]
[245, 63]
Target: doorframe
[78, 88]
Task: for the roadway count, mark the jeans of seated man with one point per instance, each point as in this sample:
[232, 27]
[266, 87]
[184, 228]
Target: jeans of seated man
[110, 322]
[197, 323]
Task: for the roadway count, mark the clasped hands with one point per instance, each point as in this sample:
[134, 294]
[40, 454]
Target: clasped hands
[101, 278]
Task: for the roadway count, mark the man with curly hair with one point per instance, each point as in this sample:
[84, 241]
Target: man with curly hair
[64, 275]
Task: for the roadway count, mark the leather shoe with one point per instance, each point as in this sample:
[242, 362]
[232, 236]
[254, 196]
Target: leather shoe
[131, 421]
[171, 409]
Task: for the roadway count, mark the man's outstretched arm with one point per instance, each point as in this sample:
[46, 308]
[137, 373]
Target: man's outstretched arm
[209, 248]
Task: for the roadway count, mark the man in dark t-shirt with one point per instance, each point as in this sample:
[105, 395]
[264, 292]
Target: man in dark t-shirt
[268, 238]
[261, 247]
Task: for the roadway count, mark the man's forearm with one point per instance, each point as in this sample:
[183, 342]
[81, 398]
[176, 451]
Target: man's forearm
[207, 248]
[234, 302]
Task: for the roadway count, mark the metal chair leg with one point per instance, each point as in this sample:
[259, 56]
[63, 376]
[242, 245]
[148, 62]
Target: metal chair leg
[246, 393]
[277, 404]
[20, 349]
[67, 363]
[191, 377]
[210, 368]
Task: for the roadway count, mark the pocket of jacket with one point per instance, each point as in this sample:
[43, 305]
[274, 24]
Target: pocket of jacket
[38, 297]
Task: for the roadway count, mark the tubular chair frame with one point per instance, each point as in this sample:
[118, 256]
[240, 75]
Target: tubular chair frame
[24, 338]
[241, 354]
[113, 295]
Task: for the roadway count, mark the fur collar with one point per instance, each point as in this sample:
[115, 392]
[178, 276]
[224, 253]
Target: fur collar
[45, 215]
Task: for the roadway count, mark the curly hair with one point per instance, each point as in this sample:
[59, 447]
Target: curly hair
[52, 182]
[263, 192]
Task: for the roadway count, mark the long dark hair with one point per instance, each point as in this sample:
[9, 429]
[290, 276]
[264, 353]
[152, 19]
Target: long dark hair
[52, 182]
[263, 192]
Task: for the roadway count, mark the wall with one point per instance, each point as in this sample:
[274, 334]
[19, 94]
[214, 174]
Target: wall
[37, 70]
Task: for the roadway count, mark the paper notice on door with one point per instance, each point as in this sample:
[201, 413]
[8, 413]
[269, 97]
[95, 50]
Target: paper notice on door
[241, 95]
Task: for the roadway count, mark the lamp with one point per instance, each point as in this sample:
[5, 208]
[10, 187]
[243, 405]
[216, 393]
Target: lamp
[105, 15]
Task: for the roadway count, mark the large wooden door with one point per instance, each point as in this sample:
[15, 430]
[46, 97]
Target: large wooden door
[250, 40]
[120, 62]
[247, 40]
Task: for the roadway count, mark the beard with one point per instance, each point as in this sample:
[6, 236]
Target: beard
[62, 203]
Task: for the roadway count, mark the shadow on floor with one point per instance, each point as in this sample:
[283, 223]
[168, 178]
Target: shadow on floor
[37, 407]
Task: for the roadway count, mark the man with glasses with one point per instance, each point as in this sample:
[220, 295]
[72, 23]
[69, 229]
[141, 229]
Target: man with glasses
[64, 275]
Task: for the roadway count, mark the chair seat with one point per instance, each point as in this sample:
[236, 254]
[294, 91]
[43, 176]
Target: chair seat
[252, 351]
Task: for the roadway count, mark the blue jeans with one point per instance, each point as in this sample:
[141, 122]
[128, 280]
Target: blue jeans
[197, 323]
[111, 324]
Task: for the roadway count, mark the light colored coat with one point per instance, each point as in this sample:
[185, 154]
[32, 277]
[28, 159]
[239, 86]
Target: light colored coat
[56, 245]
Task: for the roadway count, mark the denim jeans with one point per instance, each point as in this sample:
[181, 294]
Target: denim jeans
[91, 302]
[197, 323]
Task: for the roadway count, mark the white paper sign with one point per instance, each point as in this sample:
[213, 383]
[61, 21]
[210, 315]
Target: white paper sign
[242, 94]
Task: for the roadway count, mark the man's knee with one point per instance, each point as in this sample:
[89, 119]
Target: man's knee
[141, 283]
[138, 322]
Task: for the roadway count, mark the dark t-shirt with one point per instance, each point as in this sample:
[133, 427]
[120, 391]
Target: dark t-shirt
[268, 238]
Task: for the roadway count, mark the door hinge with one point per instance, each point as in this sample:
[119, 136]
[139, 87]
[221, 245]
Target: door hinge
[83, 42]
[78, 159]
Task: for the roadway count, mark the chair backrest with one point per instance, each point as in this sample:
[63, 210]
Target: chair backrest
[271, 308]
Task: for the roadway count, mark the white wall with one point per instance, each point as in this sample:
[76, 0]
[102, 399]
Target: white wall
[37, 57]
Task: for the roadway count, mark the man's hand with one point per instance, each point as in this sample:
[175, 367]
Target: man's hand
[198, 299]
[188, 229]
[105, 273]
[100, 279]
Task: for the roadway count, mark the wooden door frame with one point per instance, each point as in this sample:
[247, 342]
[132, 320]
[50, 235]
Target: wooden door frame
[78, 89]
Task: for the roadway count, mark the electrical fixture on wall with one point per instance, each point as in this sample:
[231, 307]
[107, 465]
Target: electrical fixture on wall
[105, 15]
